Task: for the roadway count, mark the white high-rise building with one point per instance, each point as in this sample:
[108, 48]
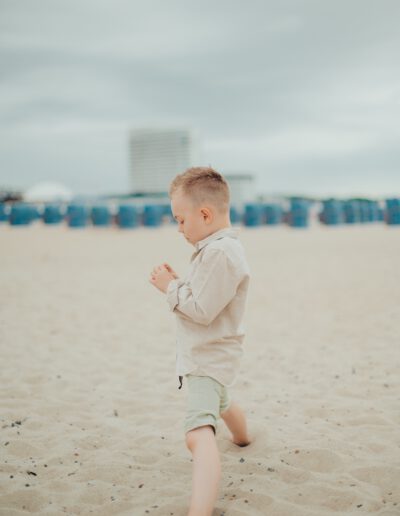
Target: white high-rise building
[158, 155]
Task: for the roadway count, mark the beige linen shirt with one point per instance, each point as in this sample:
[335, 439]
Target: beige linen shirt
[209, 304]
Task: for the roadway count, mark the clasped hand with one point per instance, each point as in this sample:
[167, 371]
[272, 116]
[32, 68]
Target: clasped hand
[161, 276]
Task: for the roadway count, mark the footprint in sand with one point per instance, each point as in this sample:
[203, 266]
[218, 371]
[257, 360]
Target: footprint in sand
[22, 449]
[367, 420]
[119, 474]
[316, 460]
[29, 500]
[290, 475]
[385, 477]
[96, 495]
[338, 500]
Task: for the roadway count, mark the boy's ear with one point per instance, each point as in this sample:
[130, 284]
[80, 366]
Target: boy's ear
[207, 215]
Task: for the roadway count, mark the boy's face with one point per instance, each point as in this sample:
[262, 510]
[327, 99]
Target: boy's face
[192, 220]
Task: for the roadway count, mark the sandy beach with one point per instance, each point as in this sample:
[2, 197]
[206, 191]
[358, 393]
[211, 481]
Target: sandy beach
[91, 416]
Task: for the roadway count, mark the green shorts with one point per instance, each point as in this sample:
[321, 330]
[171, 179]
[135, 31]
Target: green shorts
[207, 398]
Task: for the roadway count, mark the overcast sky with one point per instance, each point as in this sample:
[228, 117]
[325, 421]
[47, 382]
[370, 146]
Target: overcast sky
[304, 94]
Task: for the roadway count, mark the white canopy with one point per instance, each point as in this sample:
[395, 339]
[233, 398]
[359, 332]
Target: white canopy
[48, 192]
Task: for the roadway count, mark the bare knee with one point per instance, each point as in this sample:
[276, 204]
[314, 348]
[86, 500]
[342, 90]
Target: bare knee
[194, 436]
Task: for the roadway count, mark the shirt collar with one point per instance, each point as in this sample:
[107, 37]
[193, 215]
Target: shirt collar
[221, 233]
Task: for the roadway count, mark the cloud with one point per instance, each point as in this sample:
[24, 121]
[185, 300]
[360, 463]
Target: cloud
[294, 87]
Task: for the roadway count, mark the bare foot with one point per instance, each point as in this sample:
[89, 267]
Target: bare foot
[242, 444]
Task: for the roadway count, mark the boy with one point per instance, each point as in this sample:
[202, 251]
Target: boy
[209, 304]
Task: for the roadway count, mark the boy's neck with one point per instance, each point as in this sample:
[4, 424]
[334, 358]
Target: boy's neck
[222, 222]
[218, 227]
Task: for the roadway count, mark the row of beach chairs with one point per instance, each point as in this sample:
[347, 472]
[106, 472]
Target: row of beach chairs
[296, 214]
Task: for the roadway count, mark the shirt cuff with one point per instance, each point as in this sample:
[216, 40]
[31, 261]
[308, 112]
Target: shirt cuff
[172, 293]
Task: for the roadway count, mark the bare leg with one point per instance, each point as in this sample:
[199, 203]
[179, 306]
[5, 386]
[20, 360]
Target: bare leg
[206, 470]
[236, 422]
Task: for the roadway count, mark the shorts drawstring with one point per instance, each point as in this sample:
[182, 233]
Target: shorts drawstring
[180, 380]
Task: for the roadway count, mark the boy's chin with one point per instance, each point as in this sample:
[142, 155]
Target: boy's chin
[189, 241]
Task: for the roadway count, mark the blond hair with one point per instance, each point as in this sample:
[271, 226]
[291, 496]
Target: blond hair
[203, 185]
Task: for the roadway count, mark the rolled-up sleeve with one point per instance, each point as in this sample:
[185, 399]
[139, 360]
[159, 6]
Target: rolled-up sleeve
[172, 293]
[212, 287]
